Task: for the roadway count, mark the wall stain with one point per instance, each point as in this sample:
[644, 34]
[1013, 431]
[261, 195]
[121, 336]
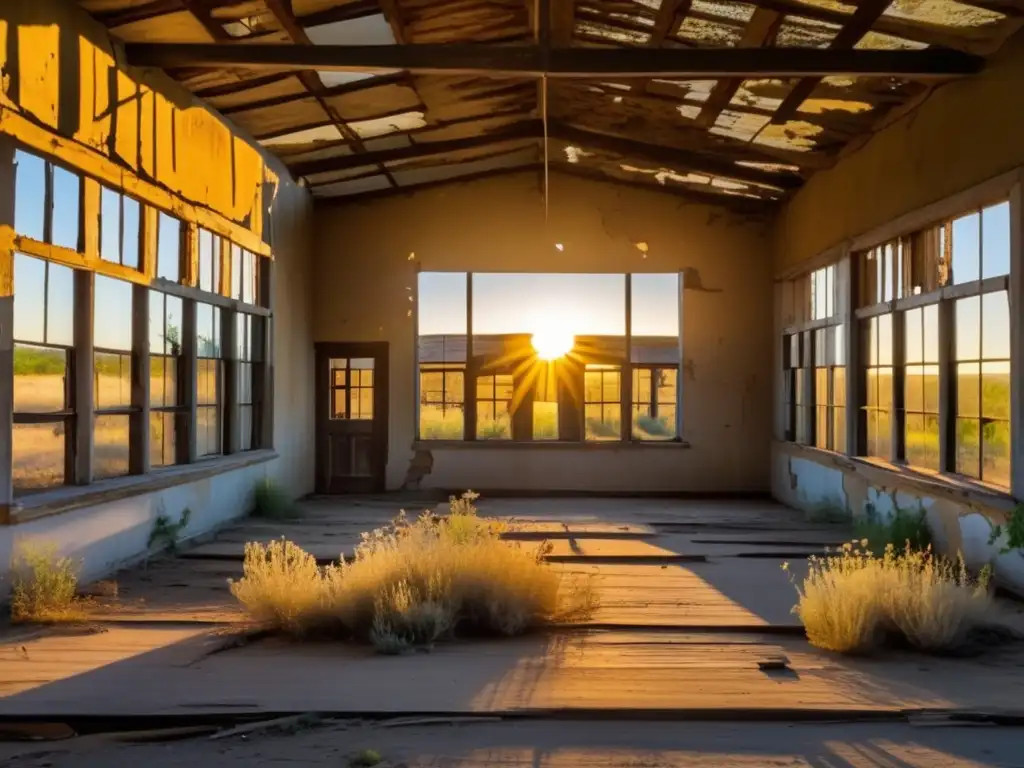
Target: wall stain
[692, 281]
[690, 369]
[421, 465]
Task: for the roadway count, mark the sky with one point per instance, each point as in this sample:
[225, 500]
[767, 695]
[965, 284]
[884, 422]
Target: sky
[585, 304]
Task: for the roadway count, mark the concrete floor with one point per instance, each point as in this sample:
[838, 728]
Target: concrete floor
[693, 602]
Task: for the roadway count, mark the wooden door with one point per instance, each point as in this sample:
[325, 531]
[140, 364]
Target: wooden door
[351, 416]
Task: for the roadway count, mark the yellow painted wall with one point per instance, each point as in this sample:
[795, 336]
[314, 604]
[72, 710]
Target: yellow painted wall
[967, 131]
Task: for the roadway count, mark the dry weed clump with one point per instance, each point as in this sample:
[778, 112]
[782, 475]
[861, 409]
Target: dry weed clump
[853, 601]
[410, 584]
[44, 587]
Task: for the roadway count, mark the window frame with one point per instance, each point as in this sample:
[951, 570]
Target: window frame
[81, 477]
[571, 411]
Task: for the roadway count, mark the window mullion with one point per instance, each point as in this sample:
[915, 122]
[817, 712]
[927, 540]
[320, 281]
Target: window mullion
[138, 422]
[947, 386]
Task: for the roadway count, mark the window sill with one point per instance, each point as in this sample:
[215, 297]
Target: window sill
[899, 477]
[548, 445]
[68, 498]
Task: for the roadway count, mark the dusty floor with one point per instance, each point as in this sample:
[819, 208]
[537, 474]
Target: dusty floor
[695, 615]
[556, 745]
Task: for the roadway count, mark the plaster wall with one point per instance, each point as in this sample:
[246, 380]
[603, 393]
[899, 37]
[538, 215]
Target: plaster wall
[61, 80]
[367, 255]
[964, 133]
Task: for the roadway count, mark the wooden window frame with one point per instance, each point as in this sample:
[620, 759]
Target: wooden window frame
[571, 419]
[604, 369]
[654, 403]
[86, 263]
[443, 368]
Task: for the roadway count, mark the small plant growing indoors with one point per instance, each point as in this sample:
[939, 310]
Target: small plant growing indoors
[411, 584]
[44, 586]
[165, 533]
[271, 502]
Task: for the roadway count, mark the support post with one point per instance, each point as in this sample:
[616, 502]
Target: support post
[626, 382]
[84, 398]
[138, 422]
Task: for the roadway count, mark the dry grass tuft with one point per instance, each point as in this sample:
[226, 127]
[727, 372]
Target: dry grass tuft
[411, 584]
[853, 602]
[44, 586]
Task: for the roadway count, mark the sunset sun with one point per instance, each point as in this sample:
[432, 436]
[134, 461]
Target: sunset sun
[551, 342]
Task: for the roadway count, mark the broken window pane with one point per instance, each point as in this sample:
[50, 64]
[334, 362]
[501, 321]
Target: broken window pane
[110, 450]
[38, 456]
[995, 240]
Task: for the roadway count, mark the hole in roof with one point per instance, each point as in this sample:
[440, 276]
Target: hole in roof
[618, 86]
[944, 13]
[689, 111]
[710, 33]
[661, 175]
[797, 135]
[738, 12]
[330, 79]
[307, 136]
[878, 41]
[368, 30]
[820, 106]
[406, 121]
[770, 167]
[573, 154]
[692, 90]
[800, 32]
[613, 34]
[739, 125]
[750, 94]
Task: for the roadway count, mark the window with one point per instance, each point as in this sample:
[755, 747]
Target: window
[168, 249]
[165, 380]
[52, 216]
[244, 277]
[43, 353]
[112, 376]
[120, 228]
[921, 387]
[823, 293]
[543, 357]
[209, 381]
[878, 386]
[209, 261]
[602, 403]
[247, 356]
[493, 403]
[352, 389]
[829, 389]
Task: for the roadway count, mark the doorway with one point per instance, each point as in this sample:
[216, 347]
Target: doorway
[352, 417]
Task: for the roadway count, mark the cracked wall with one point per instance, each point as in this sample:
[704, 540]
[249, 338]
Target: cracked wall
[364, 293]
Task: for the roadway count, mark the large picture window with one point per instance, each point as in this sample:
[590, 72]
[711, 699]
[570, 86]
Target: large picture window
[548, 357]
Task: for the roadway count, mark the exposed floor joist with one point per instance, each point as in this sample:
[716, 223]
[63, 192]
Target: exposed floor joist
[529, 61]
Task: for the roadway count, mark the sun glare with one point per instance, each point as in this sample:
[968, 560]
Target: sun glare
[551, 343]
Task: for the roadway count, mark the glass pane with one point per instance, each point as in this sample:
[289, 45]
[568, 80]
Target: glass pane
[29, 195]
[163, 389]
[442, 317]
[236, 272]
[545, 420]
[592, 386]
[968, 448]
[839, 429]
[208, 431]
[667, 386]
[914, 388]
[112, 380]
[642, 386]
[161, 439]
[168, 259]
[38, 456]
[66, 208]
[206, 260]
[995, 390]
[493, 421]
[922, 441]
[601, 423]
[995, 326]
[40, 379]
[111, 446]
[914, 336]
[440, 421]
[821, 426]
[338, 406]
[365, 363]
[995, 468]
[839, 344]
[995, 240]
[365, 378]
[885, 340]
[967, 389]
[889, 258]
[885, 388]
[245, 383]
[966, 248]
[339, 379]
[931, 388]
[365, 403]
[250, 277]
[484, 387]
[112, 314]
[931, 333]
[839, 386]
[208, 330]
[60, 305]
[110, 225]
[968, 328]
[245, 427]
[207, 381]
[503, 387]
[29, 298]
[454, 386]
[132, 234]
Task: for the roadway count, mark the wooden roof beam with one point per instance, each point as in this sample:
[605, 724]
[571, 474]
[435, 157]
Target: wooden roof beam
[665, 21]
[527, 61]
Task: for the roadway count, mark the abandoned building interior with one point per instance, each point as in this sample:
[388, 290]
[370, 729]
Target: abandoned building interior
[578, 246]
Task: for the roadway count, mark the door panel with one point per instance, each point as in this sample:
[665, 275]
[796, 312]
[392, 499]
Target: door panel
[352, 416]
